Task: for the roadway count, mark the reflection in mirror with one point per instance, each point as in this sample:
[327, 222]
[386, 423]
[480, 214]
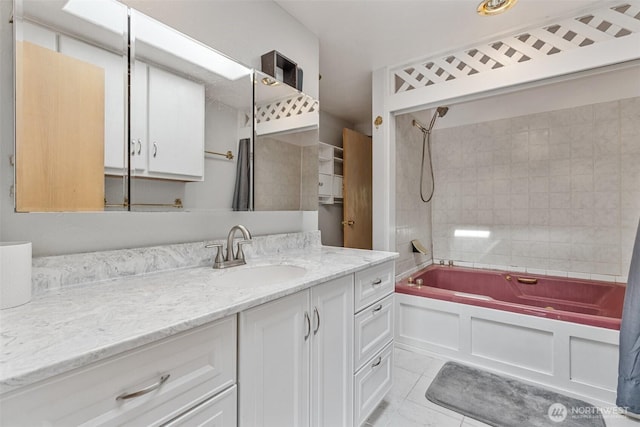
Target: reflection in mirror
[70, 75]
[191, 108]
[286, 147]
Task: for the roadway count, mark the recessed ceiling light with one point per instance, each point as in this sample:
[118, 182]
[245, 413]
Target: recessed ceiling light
[494, 7]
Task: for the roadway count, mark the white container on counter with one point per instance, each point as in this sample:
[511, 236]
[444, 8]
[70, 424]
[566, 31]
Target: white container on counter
[15, 274]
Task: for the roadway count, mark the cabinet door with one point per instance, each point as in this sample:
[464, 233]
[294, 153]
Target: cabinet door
[332, 353]
[274, 363]
[176, 125]
[139, 125]
[114, 97]
[324, 185]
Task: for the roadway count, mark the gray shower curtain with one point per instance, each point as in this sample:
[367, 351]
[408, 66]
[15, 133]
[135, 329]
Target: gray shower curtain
[241, 190]
[629, 363]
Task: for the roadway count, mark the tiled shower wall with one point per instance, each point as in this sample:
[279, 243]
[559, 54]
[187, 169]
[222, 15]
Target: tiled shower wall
[413, 217]
[286, 175]
[558, 191]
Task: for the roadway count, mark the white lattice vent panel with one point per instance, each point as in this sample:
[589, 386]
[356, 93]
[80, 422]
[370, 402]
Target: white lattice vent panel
[578, 32]
[286, 108]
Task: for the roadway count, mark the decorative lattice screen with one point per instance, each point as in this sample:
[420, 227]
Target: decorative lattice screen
[286, 108]
[601, 25]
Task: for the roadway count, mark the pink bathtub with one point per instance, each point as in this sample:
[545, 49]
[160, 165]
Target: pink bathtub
[574, 300]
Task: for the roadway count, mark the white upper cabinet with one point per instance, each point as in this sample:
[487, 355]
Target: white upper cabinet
[139, 126]
[176, 125]
[167, 125]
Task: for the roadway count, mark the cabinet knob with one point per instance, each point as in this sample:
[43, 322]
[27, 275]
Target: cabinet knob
[320, 184]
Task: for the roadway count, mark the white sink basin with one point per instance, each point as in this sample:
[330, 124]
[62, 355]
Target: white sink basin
[263, 275]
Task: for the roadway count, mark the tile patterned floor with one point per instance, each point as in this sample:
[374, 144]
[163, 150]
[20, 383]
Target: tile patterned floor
[406, 405]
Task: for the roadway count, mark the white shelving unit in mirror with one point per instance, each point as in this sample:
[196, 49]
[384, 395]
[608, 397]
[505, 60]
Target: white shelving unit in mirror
[330, 162]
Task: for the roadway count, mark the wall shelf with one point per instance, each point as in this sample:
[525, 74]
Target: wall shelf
[330, 177]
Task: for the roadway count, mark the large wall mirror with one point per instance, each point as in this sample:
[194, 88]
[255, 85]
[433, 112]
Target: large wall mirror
[286, 147]
[71, 92]
[118, 111]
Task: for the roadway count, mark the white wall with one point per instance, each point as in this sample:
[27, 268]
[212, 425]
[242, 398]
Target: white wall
[244, 30]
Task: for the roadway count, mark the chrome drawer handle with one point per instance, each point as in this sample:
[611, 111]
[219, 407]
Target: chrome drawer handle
[377, 362]
[376, 282]
[308, 322]
[144, 391]
[316, 315]
[377, 309]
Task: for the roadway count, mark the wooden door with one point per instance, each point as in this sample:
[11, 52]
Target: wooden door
[274, 363]
[357, 214]
[59, 132]
[332, 354]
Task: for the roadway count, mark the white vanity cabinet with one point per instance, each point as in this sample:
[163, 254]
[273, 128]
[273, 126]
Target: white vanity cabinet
[373, 342]
[190, 376]
[321, 357]
[296, 359]
[167, 125]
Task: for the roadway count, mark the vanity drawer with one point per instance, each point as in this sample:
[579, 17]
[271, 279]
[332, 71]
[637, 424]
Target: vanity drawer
[219, 411]
[373, 284]
[373, 330]
[199, 364]
[372, 383]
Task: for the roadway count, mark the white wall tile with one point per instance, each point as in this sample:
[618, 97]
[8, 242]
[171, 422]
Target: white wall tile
[560, 191]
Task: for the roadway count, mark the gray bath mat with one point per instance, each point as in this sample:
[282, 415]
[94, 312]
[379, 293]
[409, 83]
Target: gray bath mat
[503, 402]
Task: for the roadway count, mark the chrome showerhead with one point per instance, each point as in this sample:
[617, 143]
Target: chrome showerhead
[442, 111]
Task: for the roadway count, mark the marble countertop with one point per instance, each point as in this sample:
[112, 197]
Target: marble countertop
[70, 327]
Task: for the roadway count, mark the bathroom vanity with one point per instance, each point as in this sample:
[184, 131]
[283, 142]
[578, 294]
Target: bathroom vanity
[307, 342]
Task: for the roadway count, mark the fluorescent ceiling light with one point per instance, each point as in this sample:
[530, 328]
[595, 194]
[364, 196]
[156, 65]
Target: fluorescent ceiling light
[160, 36]
[484, 234]
[108, 14]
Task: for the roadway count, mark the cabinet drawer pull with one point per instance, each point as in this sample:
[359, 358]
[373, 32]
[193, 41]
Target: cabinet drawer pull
[139, 146]
[377, 362]
[308, 321]
[316, 315]
[145, 390]
[155, 149]
[377, 309]
[376, 282]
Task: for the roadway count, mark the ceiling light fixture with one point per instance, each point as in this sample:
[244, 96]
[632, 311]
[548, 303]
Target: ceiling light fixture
[494, 7]
[268, 81]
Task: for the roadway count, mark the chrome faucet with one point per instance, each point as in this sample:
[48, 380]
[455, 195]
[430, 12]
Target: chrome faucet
[231, 259]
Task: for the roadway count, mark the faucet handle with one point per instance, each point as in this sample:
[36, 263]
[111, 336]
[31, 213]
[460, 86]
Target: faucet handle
[219, 257]
[240, 254]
